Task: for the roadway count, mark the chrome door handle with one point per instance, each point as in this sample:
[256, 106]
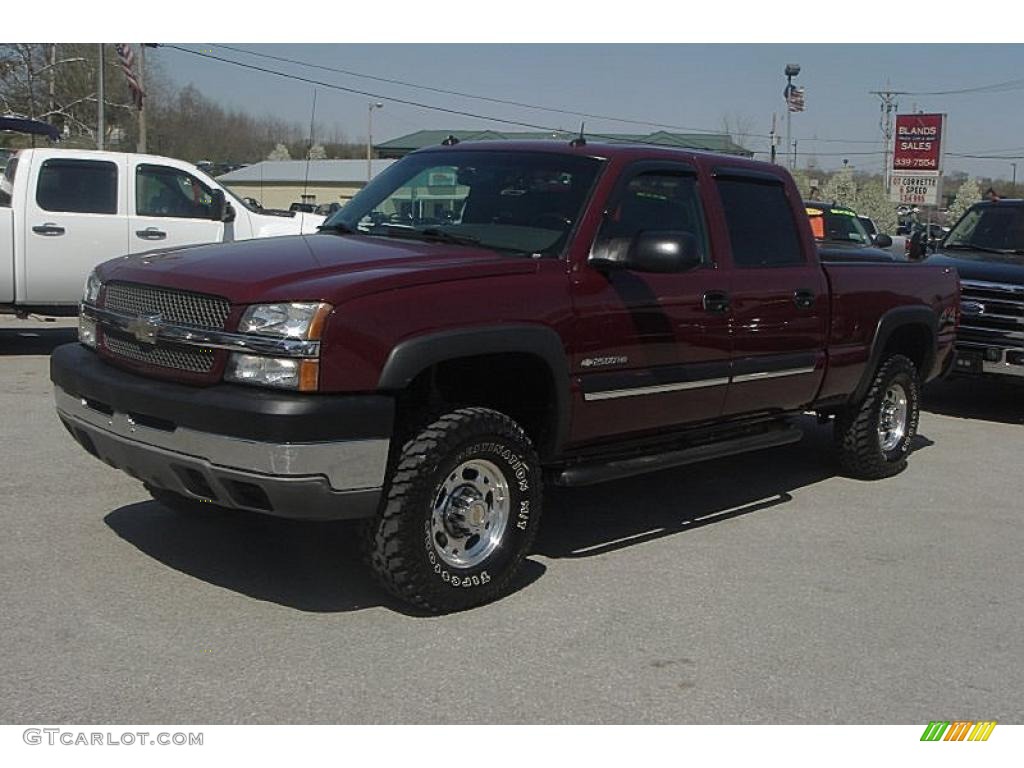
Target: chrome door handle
[48, 229]
[150, 233]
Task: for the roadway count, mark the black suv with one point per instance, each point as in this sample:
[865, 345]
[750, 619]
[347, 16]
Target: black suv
[987, 248]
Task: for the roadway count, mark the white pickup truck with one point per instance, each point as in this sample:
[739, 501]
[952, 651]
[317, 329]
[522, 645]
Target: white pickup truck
[63, 211]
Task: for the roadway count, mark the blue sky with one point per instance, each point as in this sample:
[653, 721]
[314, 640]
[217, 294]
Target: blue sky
[695, 86]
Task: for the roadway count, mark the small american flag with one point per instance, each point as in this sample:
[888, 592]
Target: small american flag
[794, 98]
[126, 56]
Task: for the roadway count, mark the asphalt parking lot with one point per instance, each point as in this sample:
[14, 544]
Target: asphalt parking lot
[759, 589]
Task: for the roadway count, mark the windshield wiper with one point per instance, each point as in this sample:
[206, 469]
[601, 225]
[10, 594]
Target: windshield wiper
[430, 234]
[985, 249]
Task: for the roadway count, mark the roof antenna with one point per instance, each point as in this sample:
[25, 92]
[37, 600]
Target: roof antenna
[579, 141]
[450, 141]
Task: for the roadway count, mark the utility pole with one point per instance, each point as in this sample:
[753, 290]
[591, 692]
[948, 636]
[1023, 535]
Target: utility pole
[1014, 166]
[100, 127]
[141, 147]
[889, 108]
[774, 139]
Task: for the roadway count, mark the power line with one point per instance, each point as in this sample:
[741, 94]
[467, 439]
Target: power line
[519, 104]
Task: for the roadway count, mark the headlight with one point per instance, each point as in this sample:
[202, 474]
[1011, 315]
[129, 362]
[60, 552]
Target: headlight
[91, 292]
[278, 372]
[296, 320]
[87, 331]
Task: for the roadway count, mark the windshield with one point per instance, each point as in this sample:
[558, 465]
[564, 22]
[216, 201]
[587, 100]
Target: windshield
[523, 202]
[837, 224]
[990, 227]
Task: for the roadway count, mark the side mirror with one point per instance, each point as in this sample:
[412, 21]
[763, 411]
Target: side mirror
[218, 205]
[883, 241]
[655, 251]
[229, 213]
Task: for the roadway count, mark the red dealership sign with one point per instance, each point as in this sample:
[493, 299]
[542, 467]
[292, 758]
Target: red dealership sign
[918, 143]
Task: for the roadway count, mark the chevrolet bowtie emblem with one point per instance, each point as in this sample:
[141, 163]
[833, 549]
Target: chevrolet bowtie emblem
[145, 328]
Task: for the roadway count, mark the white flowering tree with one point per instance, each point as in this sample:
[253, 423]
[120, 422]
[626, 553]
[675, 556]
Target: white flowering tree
[872, 201]
[280, 152]
[317, 152]
[967, 195]
[841, 189]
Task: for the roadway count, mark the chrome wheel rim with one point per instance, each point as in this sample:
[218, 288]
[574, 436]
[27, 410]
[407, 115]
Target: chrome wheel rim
[892, 417]
[470, 513]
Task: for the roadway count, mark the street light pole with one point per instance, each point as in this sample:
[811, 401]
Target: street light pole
[369, 137]
[1014, 166]
[791, 71]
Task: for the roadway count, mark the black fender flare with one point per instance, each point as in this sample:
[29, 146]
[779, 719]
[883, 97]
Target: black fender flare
[412, 356]
[890, 322]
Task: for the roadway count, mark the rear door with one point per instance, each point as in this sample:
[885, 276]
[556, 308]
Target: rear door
[653, 348]
[779, 299]
[170, 208]
[76, 217]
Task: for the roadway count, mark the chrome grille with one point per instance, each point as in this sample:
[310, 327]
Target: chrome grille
[173, 306]
[991, 314]
[191, 359]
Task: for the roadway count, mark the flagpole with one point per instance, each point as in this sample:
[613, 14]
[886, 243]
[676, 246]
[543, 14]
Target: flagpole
[141, 146]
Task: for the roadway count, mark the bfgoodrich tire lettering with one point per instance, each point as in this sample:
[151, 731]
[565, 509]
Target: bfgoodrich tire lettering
[469, 475]
[864, 452]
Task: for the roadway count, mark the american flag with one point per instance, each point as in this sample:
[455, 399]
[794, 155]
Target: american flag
[794, 98]
[126, 56]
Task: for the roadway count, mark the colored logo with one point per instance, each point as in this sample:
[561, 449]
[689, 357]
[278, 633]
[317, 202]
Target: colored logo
[958, 730]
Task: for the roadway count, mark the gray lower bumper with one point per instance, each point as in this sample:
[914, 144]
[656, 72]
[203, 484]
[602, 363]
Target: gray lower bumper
[324, 480]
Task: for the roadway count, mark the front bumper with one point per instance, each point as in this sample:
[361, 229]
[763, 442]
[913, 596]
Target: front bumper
[298, 456]
[989, 359]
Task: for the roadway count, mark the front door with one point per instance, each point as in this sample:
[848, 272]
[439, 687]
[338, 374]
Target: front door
[76, 218]
[170, 208]
[654, 348]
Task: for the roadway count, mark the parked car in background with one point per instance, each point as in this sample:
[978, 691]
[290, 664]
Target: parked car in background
[987, 249]
[328, 209]
[869, 225]
[64, 211]
[841, 236]
[590, 312]
[303, 207]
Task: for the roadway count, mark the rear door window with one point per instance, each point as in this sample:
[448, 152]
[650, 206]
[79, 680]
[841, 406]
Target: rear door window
[762, 228]
[77, 186]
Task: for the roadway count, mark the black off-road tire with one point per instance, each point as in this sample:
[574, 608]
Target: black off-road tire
[856, 429]
[184, 505]
[403, 552]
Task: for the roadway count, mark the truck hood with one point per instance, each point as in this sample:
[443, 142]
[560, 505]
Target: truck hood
[277, 226]
[979, 265]
[320, 267]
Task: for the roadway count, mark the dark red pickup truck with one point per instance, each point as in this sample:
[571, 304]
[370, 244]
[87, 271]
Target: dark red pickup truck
[486, 315]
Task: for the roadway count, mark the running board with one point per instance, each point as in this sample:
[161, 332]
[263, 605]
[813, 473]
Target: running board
[600, 472]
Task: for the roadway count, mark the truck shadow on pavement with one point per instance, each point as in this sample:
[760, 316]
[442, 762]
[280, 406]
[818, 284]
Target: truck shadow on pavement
[591, 521]
[976, 398]
[317, 567]
[34, 341]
